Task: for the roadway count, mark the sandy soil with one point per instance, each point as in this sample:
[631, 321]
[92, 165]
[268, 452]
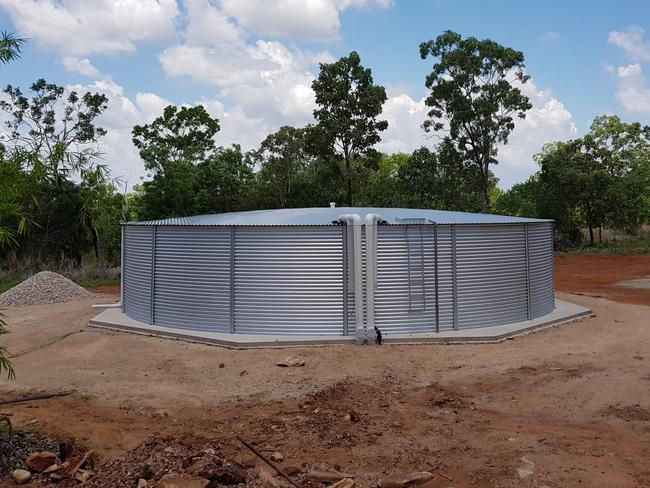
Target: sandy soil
[569, 406]
[600, 276]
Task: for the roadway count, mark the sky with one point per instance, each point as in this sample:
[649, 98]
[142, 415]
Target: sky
[251, 62]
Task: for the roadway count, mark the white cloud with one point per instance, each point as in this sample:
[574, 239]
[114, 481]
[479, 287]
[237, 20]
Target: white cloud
[81, 27]
[547, 121]
[307, 20]
[632, 90]
[266, 79]
[632, 43]
[82, 66]
[207, 25]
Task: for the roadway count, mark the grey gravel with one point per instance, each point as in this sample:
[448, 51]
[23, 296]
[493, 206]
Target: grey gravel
[44, 287]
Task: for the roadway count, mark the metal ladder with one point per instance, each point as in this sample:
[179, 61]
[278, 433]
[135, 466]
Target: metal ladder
[415, 267]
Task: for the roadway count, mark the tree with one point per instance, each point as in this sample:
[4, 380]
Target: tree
[56, 134]
[349, 106]
[522, 200]
[182, 135]
[171, 148]
[52, 141]
[10, 46]
[284, 158]
[472, 97]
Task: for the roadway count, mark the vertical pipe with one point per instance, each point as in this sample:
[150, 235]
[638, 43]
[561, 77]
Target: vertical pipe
[528, 311]
[153, 275]
[371, 274]
[454, 277]
[435, 265]
[354, 220]
[346, 273]
[232, 279]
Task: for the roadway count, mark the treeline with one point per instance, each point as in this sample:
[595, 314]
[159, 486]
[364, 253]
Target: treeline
[59, 202]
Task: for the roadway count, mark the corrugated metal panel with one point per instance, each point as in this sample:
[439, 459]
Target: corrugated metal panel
[192, 278]
[328, 215]
[289, 280]
[350, 288]
[540, 249]
[491, 274]
[393, 314]
[138, 266]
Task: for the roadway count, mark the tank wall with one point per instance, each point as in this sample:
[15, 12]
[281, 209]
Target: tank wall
[289, 280]
[542, 284]
[405, 268]
[137, 272]
[192, 278]
[491, 275]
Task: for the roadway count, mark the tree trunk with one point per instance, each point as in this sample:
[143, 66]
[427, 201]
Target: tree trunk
[348, 177]
[591, 235]
[486, 197]
[95, 234]
[600, 234]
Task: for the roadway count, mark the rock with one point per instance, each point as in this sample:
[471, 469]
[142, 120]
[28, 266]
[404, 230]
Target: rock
[524, 472]
[174, 480]
[243, 373]
[82, 475]
[327, 476]
[402, 480]
[52, 469]
[21, 476]
[268, 479]
[221, 365]
[292, 361]
[344, 483]
[40, 461]
[276, 456]
[292, 469]
[142, 483]
[351, 416]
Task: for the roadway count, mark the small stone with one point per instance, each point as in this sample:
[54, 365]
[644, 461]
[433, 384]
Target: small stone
[405, 479]
[221, 365]
[276, 456]
[40, 461]
[174, 480]
[52, 469]
[142, 483]
[344, 483]
[243, 373]
[327, 476]
[21, 476]
[524, 472]
[291, 361]
[292, 469]
[82, 475]
[511, 439]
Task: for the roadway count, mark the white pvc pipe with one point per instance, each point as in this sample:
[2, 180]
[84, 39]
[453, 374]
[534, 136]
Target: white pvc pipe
[371, 274]
[353, 221]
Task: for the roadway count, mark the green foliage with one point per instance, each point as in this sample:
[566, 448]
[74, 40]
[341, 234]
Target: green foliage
[522, 200]
[5, 364]
[284, 158]
[10, 46]
[349, 105]
[472, 98]
[178, 136]
[620, 247]
[601, 179]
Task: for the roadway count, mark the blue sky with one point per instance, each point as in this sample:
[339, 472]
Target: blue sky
[251, 61]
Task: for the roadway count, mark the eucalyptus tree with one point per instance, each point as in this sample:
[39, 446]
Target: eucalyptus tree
[347, 116]
[473, 97]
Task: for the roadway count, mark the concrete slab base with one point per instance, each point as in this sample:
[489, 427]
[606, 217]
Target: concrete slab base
[115, 319]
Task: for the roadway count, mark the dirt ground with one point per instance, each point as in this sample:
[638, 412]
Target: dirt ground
[565, 407]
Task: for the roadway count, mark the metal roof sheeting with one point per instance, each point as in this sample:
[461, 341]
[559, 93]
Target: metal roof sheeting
[328, 215]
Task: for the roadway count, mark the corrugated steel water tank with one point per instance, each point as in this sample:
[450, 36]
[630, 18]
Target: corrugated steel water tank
[289, 271]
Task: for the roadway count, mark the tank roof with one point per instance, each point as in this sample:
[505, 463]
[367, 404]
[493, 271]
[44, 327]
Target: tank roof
[330, 216]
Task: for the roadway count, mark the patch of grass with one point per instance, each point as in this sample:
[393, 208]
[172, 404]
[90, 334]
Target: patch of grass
[618, 247]
[90, 282]
[9, 283]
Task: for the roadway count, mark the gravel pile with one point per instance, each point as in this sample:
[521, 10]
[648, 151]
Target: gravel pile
[14, 448]
[44, 287]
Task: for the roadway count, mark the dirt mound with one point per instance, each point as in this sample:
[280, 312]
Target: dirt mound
[44, 287]
[168, 456]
